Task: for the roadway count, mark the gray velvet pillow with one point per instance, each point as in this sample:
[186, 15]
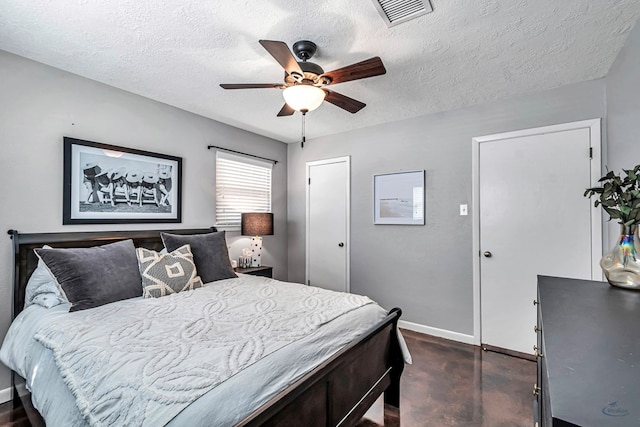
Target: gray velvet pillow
[91, 277]
[209, 250]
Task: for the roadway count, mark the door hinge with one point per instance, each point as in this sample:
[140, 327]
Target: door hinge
[309, 181]
[591, 152]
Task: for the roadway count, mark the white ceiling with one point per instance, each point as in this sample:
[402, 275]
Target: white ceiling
[178, 52]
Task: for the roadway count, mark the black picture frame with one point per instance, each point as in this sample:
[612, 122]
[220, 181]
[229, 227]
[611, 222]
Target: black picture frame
[109, 184]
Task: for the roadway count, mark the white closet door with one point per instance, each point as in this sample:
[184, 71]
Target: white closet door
[533, 220]
[328, 224]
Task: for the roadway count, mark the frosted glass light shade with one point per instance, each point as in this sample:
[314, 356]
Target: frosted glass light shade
[303, 97]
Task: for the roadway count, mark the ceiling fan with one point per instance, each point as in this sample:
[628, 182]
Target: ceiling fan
[305, 82]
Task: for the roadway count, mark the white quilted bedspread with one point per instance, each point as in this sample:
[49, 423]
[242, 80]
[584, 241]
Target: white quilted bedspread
[140, 362]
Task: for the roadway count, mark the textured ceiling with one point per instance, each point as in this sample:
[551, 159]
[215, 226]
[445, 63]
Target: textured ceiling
[178, 52]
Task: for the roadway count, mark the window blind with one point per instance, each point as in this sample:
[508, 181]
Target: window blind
[243, 184]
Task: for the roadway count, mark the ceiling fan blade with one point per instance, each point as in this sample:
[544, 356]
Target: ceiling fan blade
[280, 51]
[344, 102]
[286, 111]
[361, 70]
[251, 85]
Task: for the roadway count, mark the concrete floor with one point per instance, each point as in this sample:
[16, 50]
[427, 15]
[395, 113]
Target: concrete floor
[455, 384]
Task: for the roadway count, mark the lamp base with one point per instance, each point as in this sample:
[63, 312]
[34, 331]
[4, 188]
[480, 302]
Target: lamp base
[256, 251]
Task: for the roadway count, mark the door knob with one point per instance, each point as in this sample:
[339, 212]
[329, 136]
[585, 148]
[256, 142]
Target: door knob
[487, 254]
[341, 244]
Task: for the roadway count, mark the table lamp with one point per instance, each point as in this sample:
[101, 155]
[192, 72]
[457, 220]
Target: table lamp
[256, 224]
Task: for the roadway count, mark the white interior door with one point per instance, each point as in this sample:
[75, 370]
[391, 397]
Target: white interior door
[328, 183]
[533, 220]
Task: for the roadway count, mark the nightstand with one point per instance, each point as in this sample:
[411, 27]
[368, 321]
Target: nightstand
[263, 270]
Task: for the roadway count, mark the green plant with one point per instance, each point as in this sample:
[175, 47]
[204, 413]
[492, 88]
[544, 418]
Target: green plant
[619, 197]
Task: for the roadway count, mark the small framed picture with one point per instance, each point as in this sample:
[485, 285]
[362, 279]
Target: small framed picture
[107, 184]
[399, 198]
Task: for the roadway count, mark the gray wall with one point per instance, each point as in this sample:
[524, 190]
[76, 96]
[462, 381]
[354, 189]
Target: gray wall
[427, 271]
[41, 104]
[623, 105]
[623, 113]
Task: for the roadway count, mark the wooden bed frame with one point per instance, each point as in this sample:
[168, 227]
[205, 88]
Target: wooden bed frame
[338, 392]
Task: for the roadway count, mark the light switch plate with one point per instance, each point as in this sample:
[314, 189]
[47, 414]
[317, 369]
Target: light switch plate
[464, 210]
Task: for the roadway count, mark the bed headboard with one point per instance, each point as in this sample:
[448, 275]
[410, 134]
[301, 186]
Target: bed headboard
[26, 260]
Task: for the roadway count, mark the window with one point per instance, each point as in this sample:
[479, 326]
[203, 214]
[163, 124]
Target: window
[243, 184]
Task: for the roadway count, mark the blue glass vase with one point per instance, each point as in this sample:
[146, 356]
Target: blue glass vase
[621, 265]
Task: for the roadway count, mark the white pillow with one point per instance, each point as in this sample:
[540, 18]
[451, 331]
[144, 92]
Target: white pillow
[42, 288]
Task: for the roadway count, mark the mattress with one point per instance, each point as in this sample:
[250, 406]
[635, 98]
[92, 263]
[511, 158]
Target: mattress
[226, 404]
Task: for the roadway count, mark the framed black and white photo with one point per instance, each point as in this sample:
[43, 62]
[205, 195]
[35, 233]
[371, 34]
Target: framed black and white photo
[107, 184]
[399, 198]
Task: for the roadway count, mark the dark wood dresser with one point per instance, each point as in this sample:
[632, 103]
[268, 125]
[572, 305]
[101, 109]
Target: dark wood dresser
[588, 354]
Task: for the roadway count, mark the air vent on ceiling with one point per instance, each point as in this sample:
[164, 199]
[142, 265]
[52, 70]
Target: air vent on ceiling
[395, 12]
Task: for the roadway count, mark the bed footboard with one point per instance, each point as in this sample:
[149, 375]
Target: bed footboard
[336, 393]
[341, 390]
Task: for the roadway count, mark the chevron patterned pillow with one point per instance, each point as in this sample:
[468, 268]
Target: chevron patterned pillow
[166, 274]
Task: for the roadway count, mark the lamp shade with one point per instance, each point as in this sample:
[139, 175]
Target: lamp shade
[303, 97]
[256, 224]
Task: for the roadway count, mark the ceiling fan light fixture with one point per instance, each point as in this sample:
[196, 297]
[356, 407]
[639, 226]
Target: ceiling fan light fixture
[303, 97]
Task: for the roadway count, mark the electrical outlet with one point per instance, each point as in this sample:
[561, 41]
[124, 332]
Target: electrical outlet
[464, 210]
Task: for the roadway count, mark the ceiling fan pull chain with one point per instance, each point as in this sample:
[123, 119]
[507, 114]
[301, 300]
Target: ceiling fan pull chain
[304, 114]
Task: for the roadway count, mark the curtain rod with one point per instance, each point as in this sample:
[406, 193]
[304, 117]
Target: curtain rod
[209, 147]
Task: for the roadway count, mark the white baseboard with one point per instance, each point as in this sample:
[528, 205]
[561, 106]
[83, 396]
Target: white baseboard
[436, 332]
[5, 395]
